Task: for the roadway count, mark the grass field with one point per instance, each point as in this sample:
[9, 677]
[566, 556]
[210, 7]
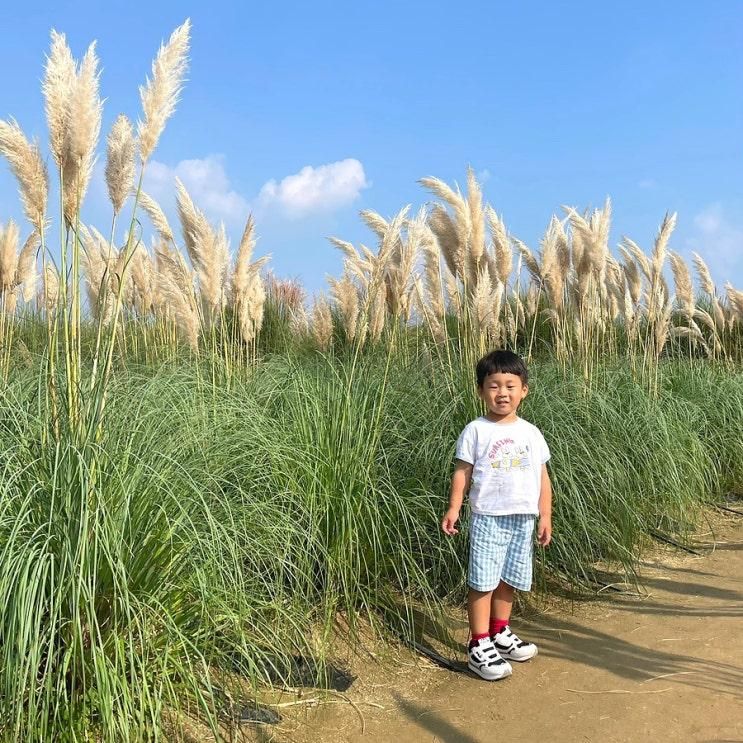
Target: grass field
[202, 469]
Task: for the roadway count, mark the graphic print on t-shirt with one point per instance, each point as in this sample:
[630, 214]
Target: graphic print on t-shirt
[506, 455]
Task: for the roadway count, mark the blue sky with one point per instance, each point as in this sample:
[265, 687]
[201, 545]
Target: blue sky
[307, 112]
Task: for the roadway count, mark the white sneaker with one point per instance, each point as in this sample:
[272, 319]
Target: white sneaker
[485, 661]
[510, 646]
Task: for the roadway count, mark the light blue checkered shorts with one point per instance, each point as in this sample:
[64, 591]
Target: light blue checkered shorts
[501, 549]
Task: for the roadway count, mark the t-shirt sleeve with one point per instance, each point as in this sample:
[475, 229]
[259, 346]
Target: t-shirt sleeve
[467, 445]
[542, 449]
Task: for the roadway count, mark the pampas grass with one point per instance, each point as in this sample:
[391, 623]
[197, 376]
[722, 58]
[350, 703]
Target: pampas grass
[94, 261]
[355, 265]
[50, 289]
[209, 252]
[157, 217]
[242, 272]
[706, 283]
[175, 285]
[684, 288]
[444, 229]
[321, 323]
[432, 300]
[735, 297]
[197, 233]
[346, 300]
[454, 231]
[9, 236]
[160, 94]
[30, 171]
[145, 299]
[476, 253]
[25, 273]
[250, 308]
[81, 128]
[120, 162]
[57, 88]
[500, 245]
[248, 289]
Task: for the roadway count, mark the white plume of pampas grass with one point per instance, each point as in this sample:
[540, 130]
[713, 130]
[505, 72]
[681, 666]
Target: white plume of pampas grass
[25, 272]
[241, 274]
[9, 235]
[684, 288]
[50, 289]
[346, 298]
[160, 93]
[175, 285]
[58, 88]
[208, 250]
[120, 162]
[476, 253]
[321, 323]
[82, 129]
[29, 169]
[500, 245]
[248, 288]
[157, 217]
[197, 233]
[735, 297]
[250, 309]
[459, 227]
[706, 284]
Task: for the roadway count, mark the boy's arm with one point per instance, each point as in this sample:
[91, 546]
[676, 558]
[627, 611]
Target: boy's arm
[460, 484]
[544, 530]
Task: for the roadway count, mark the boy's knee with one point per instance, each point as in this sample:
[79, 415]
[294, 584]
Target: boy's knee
[474, 594]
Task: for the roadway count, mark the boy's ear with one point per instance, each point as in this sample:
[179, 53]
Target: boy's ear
[526, 390]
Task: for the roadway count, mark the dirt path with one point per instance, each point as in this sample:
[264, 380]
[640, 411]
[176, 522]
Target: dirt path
[664, 667]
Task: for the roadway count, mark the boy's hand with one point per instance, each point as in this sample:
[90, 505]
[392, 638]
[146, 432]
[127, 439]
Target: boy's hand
[544, 530]
[450, 518]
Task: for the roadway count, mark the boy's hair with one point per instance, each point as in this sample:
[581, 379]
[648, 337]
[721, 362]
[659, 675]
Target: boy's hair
[501, 362]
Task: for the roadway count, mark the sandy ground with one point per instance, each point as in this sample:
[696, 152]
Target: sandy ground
[666, 665]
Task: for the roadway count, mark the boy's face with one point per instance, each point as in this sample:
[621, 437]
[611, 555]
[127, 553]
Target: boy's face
[503, 393]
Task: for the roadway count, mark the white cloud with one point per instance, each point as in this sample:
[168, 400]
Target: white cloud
[720, 242]
[316, 189]
[710, 220]
[483, 176]
[647, 183]
[206, 181]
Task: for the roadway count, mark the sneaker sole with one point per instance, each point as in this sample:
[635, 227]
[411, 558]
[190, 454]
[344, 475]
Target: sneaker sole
[509, 658]
[478, 673]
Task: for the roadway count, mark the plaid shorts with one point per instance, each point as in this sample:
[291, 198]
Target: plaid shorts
[501, 549]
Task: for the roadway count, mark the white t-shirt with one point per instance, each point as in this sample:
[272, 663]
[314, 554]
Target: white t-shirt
[507, 461]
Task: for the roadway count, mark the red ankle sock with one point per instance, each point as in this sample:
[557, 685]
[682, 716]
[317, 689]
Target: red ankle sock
[476, 638]
[497, 625]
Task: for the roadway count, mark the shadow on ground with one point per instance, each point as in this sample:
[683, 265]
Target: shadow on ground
[433, 722]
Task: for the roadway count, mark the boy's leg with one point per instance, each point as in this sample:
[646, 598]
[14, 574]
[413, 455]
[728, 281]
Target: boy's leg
[482, 657]
[517, 573]
[500, 607]
[483, 572]
[478, 612]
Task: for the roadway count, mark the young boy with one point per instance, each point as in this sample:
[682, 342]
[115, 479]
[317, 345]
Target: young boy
[501, 460]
